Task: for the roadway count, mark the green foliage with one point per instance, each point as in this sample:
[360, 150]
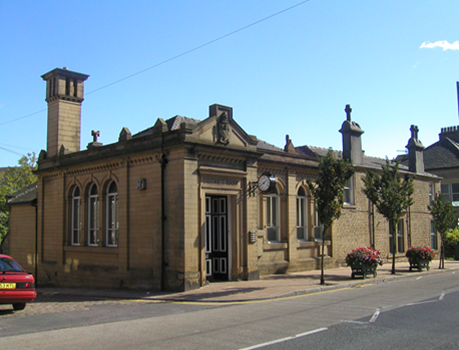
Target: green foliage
[11, 181]
[443, 214]
[450, 241]
[390, 195]
[329, 188]
[328, 192]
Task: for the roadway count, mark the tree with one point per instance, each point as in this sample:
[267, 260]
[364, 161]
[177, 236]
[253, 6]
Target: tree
[444, 218]
[328, 192]
[390, 195]
[11, 181]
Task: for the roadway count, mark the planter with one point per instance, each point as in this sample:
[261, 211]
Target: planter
[419, 264]
[363, 269]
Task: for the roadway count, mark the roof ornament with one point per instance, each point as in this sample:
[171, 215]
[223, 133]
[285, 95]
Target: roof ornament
[414, 132]
[348, 111]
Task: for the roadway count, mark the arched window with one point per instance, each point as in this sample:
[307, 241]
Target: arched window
[273, 216]
[111, 239]
[76, 216]
[93, 216]
[301, 215]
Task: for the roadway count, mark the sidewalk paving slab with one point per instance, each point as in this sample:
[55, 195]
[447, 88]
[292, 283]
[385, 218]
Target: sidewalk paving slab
[268, 287]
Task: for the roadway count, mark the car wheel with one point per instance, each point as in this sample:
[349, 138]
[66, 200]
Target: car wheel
[19, 306]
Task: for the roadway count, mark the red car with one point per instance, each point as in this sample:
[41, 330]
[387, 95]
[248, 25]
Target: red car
[17, 286]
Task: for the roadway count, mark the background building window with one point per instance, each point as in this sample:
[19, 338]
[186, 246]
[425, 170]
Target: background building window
[112, 215]
[301, 215]
[76, 216]
[273, 217]
[433, 236]
[446, 192]
[93, 216]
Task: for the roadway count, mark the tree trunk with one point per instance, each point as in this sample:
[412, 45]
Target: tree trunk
[322, 279]
[393, 230]
[442, 254]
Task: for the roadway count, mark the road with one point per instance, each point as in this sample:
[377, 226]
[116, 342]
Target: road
[419, 312]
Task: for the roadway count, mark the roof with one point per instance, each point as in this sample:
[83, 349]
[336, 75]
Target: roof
[172, 124]
[442, 154]
[24, 196]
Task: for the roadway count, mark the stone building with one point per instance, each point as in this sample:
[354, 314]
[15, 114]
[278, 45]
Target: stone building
[188, 201]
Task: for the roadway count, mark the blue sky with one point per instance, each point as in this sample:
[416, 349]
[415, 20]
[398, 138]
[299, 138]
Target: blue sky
[395, 62]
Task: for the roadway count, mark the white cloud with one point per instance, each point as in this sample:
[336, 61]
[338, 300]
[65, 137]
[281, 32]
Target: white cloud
[443, 44]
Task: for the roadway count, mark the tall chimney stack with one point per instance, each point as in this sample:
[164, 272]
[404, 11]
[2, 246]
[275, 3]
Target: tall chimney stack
[64, 94]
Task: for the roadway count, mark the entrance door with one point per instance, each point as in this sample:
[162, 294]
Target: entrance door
[217, 237]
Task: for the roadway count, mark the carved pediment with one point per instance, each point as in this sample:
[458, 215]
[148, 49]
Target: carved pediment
[221, 129]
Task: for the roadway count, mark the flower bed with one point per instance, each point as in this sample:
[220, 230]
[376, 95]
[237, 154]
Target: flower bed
[419, 257]
[363, 261]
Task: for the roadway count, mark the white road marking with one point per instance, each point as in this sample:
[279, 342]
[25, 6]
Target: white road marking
[351, 321]
[442, 295]
[417, 279]
[284, 339]
[375, 315]
[421, 302]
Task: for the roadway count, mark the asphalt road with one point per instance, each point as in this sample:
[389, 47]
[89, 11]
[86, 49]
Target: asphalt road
[413, 313]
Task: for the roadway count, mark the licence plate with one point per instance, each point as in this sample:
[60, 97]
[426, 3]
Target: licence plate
[7, 285]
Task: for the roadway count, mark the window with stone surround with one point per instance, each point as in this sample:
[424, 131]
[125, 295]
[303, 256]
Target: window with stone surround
[273, 217]
[349, 192]
[318, 226]
[401, 236]
[93, 215]
[111, 239]
[302, 215]
[76, 216]
[431, 192]
[433, 236]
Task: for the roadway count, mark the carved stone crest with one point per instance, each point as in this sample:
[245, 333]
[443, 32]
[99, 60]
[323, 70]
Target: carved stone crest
[223, 129]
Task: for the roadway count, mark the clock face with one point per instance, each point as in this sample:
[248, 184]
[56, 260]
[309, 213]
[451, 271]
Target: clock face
[264, 182]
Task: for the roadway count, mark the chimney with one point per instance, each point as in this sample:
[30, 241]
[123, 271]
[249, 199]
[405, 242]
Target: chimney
[415, 152]
[352, 142]
[64, 94]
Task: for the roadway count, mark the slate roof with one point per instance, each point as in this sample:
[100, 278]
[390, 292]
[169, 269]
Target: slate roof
[368, 162]
[24, 196]
[442, 154]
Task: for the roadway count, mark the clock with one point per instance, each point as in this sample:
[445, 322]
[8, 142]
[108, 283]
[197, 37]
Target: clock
[266, 182]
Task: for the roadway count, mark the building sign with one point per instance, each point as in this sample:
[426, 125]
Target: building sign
[220, 181]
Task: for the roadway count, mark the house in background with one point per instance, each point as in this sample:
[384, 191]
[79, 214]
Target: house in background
[188, 201]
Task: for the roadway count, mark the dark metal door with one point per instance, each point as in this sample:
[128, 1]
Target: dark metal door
[216, 238]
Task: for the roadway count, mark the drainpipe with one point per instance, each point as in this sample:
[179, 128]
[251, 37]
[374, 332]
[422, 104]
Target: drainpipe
[35, 274]
[163, 162]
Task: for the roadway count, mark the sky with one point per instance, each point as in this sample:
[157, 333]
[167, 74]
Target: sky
[285, 67]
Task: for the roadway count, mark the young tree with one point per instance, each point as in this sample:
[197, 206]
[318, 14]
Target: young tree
[390, 195]
[444, 218]
[11, 181]
[328, 192]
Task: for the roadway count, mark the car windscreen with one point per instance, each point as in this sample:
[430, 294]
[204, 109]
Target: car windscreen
[9, 265]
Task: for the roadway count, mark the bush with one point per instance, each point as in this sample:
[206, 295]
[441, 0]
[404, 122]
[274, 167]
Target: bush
[450, 242]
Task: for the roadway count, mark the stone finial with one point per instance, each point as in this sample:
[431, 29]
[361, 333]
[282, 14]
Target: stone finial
[348, 111]
[414, 132]
[125, 135]
[94, 143]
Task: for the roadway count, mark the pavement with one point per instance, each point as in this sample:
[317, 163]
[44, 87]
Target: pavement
[267, 287]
